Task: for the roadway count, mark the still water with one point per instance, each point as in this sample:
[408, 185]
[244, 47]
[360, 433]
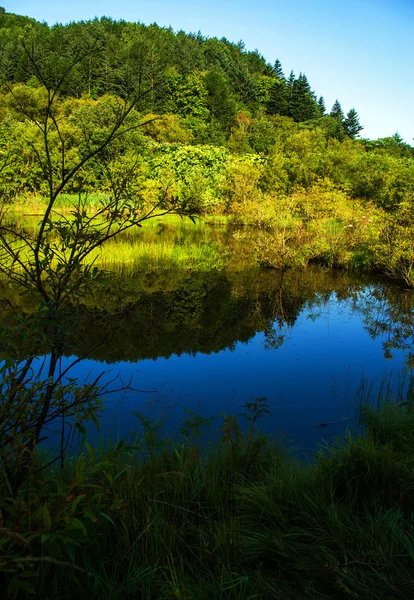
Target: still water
[212, 341]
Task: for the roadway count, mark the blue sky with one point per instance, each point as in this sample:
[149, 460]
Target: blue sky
[359, 51]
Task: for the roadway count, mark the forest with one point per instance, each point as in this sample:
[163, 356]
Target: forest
[213, 126]
[116, 135]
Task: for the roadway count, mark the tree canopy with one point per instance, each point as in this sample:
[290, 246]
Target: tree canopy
[206, 79]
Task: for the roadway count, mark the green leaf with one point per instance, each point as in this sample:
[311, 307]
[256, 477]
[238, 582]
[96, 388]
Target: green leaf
[70, 549]
[77, 524]
[91, 453]
[76, 502]
[46, 518]
[107, 517]
[80, 467]
[91, 515]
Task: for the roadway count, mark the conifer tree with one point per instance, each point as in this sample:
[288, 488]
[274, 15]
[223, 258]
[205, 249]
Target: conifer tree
[337, 112]
[322, 107]
[278, 69]
[291, 79]
[352, 125]
[289, 83]
[220, 101]
[278, 99]
[303, 104]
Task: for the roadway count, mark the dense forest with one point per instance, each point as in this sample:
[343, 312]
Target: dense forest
[211, 125]
[208, 83]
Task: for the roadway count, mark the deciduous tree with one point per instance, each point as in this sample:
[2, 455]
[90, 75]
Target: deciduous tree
[52, 263]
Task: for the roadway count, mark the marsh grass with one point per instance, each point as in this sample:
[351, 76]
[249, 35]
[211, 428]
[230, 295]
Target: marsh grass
[160, 256]
[316, 226]
[168, 243]
[165, 245]
[35, 204]
[239, 519]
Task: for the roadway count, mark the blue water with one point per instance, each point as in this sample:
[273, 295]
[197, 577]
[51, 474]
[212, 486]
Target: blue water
[312, 378]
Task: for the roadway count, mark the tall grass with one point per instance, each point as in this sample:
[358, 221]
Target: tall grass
[240, 520]
[318, 226]
[160, 254]
[168, 243]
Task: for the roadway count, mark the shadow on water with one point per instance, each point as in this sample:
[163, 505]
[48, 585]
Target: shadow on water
[219, 339]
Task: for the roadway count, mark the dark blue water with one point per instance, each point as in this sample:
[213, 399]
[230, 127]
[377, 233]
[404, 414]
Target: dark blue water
[308, 364]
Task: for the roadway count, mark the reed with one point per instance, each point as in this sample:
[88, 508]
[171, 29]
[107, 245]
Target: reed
[160, 255]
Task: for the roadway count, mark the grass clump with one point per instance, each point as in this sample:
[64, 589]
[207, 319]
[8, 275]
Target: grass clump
[240, 519]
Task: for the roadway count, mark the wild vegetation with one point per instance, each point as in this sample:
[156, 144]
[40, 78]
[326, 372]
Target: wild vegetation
[212, 126]
[105, 126]
[238, 520]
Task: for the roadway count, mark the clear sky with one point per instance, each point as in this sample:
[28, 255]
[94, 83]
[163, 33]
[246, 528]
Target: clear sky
[359, 51]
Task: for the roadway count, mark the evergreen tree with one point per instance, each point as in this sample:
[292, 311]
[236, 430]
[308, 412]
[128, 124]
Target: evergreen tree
[290, 81]
[322, 107]
[278, 99]
[352, 125]
[187, 74]
[220, 101]
[303, 105]
[278, 69]
[337, 112]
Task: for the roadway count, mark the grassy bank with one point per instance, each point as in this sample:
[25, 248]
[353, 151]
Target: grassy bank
[170, 242]
[320, 225]
[242, 520]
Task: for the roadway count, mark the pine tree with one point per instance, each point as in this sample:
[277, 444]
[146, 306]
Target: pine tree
[322, 107]
[290, 81]
[278, 69]
[352, 125]
[303, 105]
[278, 99]
[220, 101]
[337, 112]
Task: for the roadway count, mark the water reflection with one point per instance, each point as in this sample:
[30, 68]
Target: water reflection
[213, 311]
[301, 339]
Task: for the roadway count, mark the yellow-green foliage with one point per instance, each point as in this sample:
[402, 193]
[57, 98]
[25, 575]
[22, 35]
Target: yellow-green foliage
[275, 176]
[167, 128]
[344, 202]
[323, 223]
[242, 182]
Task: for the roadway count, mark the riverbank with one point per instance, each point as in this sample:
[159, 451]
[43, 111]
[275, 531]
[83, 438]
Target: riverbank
[242, 520]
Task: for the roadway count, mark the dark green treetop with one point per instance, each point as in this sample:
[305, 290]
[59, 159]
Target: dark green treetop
[352, 125]
[337, 112]
[291, 79]
[303, 105]
[279, 99]
[278, 69]
[322, 107]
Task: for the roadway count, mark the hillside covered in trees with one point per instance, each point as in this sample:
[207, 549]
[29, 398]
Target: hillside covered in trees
[206, 81]
[210, 124]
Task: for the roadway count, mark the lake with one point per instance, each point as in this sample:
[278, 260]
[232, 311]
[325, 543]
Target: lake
[214, 340]
[187, 317]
